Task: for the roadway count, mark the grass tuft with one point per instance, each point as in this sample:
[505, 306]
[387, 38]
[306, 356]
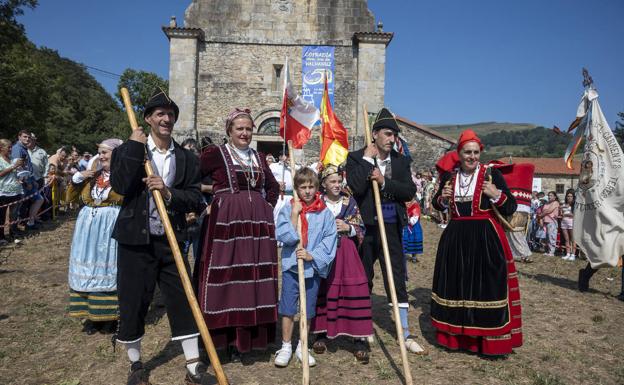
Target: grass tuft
[546, 379]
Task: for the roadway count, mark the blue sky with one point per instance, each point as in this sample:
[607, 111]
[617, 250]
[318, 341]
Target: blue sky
[451, 61]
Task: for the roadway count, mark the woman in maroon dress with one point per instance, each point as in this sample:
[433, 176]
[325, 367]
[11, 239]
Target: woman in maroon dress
[238, 270]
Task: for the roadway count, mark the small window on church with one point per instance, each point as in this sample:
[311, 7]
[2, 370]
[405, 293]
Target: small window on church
[269, 127]
[559, 188]
[276, 85]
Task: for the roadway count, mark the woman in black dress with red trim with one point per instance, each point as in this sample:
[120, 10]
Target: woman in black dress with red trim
[475, 299]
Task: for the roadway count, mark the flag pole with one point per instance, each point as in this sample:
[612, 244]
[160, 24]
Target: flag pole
[386, 252]
[285, 94]
[177, 256]
[303, 317]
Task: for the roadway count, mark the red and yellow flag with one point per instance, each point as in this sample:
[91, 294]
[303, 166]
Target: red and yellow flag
[335, 146]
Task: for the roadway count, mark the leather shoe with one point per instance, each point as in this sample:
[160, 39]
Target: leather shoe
[200, 378]
[137, 375]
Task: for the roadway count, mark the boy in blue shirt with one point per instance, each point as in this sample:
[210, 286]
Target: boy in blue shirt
[317, 247]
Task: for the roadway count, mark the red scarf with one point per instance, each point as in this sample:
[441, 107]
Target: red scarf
[316, 206]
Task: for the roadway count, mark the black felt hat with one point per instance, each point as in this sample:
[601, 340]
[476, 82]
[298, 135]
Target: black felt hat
[385, 119]
[160, 99]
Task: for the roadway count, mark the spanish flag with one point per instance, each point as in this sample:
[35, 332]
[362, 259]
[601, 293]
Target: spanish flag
[335, 146]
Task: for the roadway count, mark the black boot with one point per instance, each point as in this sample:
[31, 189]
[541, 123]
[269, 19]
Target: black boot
[89, 327]
[138, 375]
[234, 354]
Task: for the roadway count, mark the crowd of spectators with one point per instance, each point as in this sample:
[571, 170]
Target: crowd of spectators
[551, 224]
[28, 176]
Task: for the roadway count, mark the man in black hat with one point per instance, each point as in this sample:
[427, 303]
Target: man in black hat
[379, 161]
[144, 256]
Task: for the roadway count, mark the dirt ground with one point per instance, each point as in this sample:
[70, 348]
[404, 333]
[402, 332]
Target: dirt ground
[570, 337]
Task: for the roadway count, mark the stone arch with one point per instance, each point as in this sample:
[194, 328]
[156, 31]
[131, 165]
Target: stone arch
[266, 122]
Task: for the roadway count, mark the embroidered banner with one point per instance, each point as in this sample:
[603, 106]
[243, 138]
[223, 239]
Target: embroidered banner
[598, 219]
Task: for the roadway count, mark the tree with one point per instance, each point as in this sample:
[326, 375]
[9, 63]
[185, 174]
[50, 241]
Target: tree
[23, 92]
[12, 32]
[141, 86]
[50, 95]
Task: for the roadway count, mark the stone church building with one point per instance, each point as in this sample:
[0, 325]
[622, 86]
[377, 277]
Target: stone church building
[231, 53]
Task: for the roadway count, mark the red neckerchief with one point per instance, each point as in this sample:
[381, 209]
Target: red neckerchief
[316, 206]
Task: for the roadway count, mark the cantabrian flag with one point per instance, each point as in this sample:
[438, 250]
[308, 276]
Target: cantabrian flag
[298, 116]
[335, 147]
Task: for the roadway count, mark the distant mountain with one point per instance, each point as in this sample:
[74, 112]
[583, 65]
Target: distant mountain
[482, 128]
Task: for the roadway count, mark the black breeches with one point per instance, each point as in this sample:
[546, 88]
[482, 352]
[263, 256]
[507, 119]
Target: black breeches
[371, 251]
[139, 269]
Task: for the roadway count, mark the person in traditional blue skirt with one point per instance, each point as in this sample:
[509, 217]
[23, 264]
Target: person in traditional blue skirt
[412, 232]
[93, 256]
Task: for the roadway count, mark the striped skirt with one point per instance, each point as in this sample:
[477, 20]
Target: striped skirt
[343, 306]
[97, 307]
[238, 271]
[413, 239]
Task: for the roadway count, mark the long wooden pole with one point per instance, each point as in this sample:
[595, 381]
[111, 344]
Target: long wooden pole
[384, 244]
[303, 316]
[177, 256]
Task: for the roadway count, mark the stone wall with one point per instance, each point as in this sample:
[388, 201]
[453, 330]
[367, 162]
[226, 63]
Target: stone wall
[325, 22]
[371, 79]
[550, 182]
[183, 74]
[239, 45]
[425, 148]
[236, 75]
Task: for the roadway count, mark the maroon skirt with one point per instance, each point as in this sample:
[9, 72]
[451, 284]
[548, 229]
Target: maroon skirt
[343, 305]
[238, 281]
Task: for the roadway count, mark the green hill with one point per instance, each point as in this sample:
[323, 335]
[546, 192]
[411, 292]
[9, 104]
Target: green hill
[482, 128]
[511, 139]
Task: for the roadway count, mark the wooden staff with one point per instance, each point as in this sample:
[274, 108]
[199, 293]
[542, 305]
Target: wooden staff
[177, 256]
[384, 244]
[303, 316]
[54, 193]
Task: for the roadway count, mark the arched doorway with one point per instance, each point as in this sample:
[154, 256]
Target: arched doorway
[269, 126]
[267, 139]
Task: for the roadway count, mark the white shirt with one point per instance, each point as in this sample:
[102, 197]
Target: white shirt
[39, 160]
[461, 180]
[247, 156]
[381, 165]
[282, 173]
[335, 208]
[163, 163]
